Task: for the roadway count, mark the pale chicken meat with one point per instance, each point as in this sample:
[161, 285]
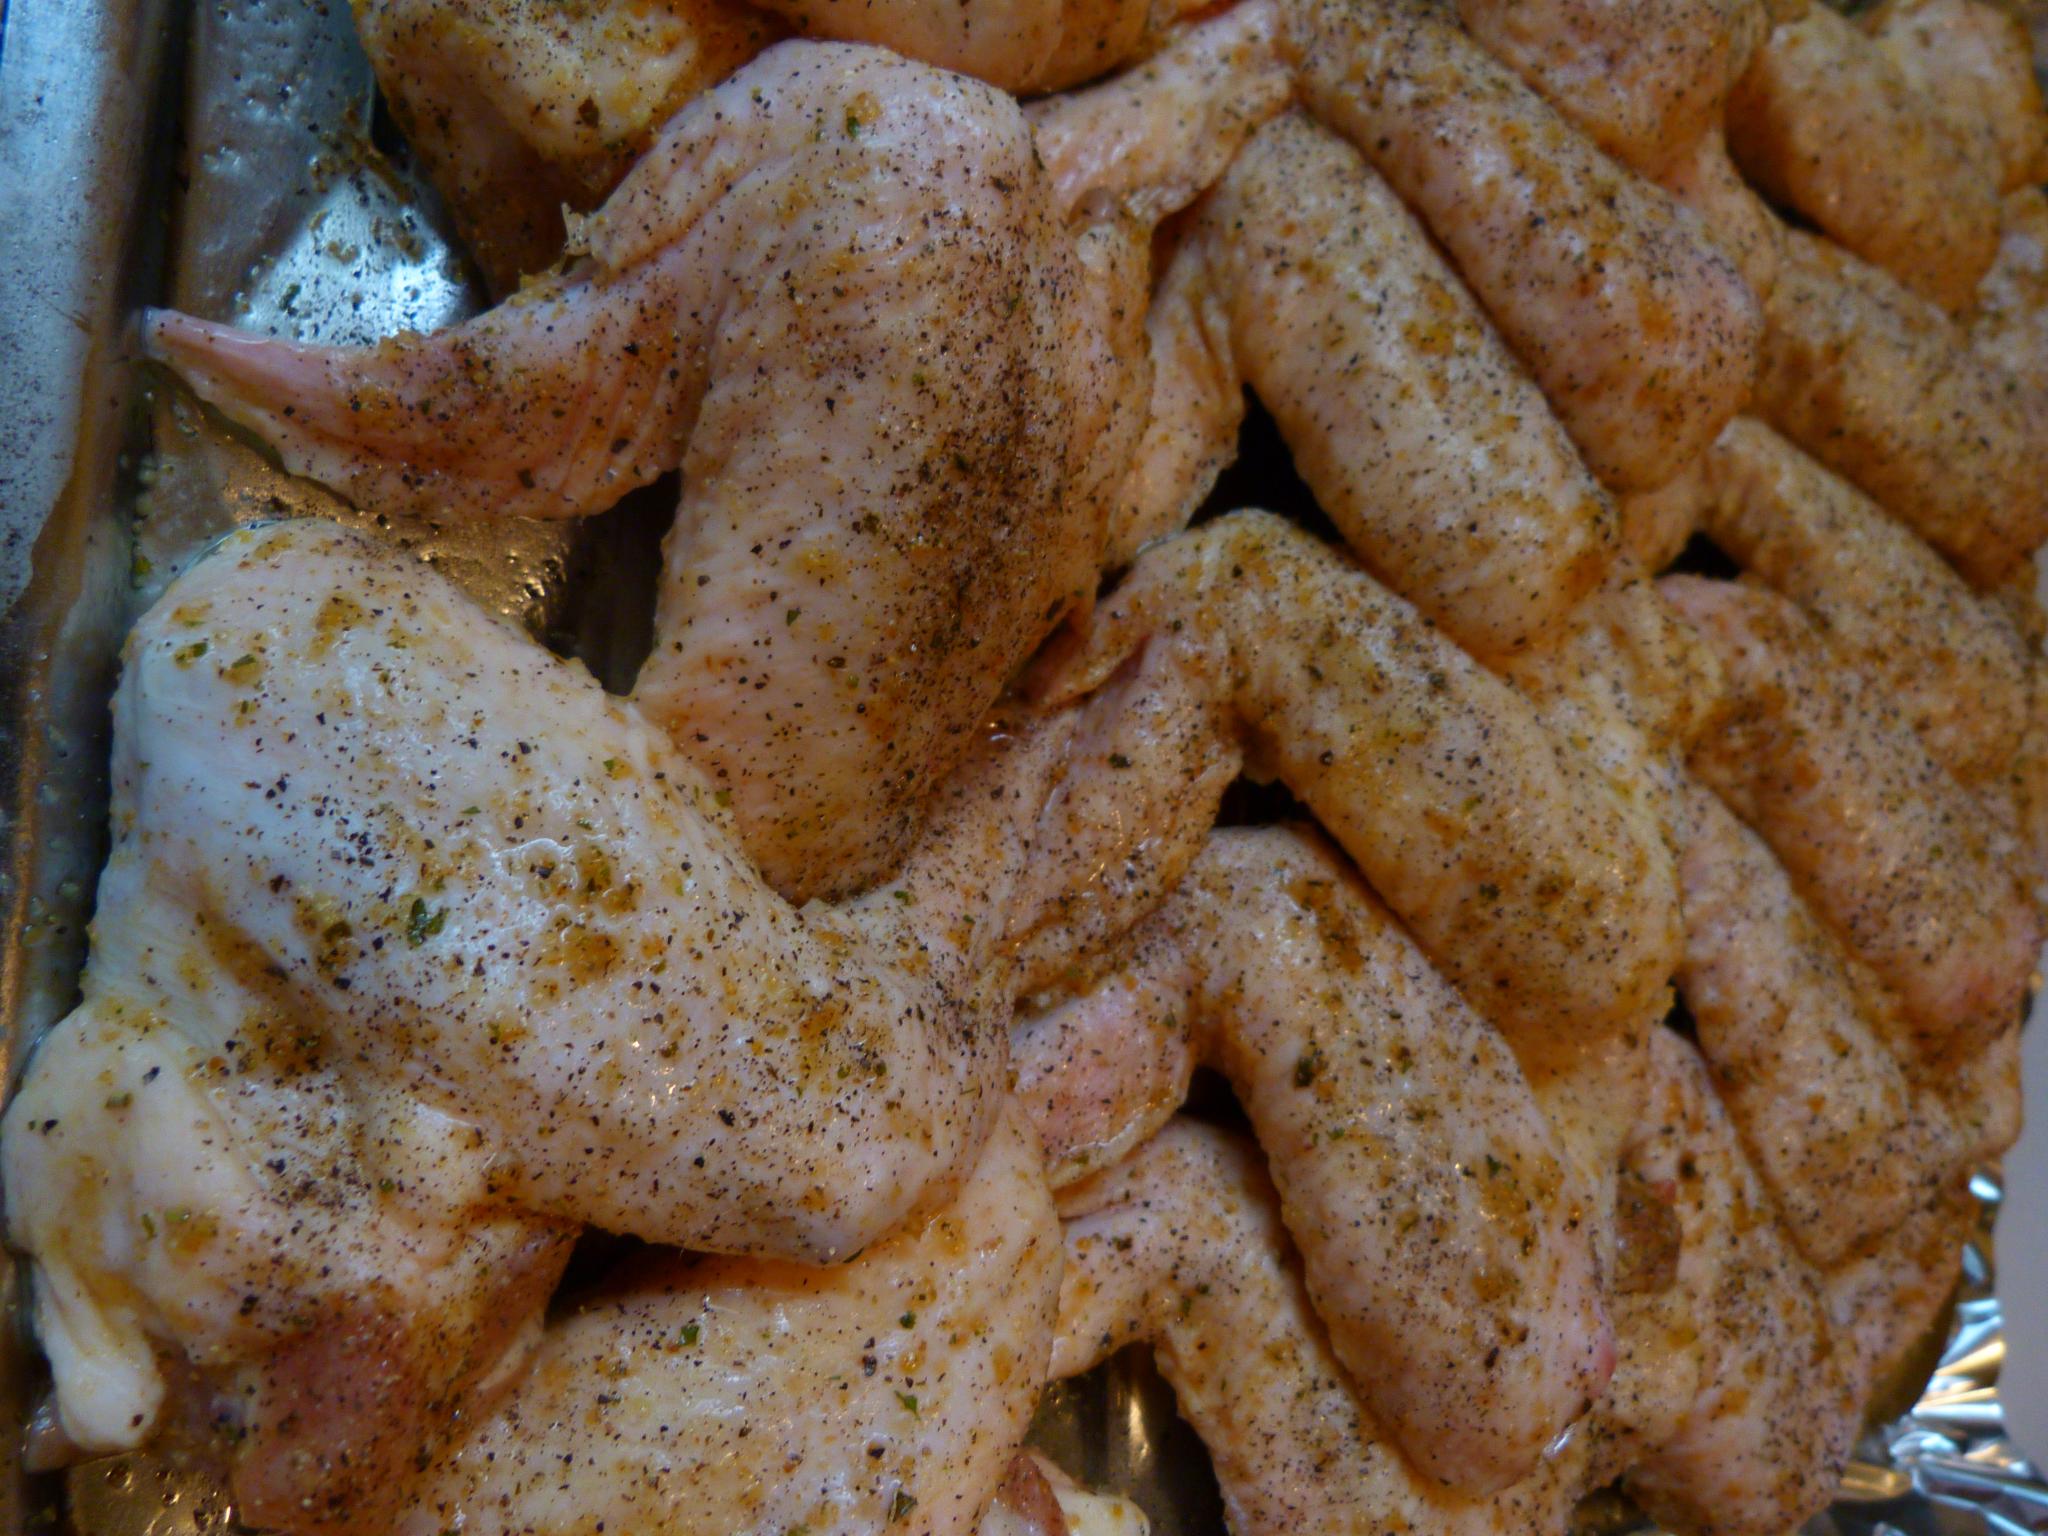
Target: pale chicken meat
[1146, 769]
[1154, 136]
[1825, 122]
[1643, 79]
[1196, 408]
[1706, 181]
[414, 951]
[1445, 1238]
[1947, 659]
[1762, 1444]
[519, 109]
[1657, 525]
[1019, 45]
[1973, 65]
[725, 1396]
[1877, 384]
[2010, 327]
[1801, 1047]
[836, 294]
[1890, 851]
[1641, 333]
[527, 113]
[1182, 1247]
[1466, 495]
[1503, 850]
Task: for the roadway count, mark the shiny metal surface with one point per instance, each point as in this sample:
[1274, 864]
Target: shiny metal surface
[84, 164]
[291, 219]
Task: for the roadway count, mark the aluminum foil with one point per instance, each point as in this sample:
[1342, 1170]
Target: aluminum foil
[293, 219]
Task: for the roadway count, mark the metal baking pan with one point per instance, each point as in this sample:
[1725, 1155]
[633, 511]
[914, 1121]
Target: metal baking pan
[230, 159]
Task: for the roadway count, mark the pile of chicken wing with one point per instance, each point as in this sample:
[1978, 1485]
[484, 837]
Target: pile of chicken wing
[840, 987]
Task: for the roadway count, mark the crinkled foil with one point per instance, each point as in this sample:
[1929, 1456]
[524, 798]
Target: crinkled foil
[290, 219]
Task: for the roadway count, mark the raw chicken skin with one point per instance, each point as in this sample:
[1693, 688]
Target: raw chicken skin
[1504, 850]
[1877, 384]
[1801, 1047]
[1973, 65]
[1019, 45]
[1949, 661]
[1182, 1246]
[1906, 866]
[1735, 218]
[1155, 136]
[413, 951]
[2010, 327]
[1643, 79]
[519, 108]
[1446, 1247]
[743, 1397]
[836, 294]
[1642, 334]
[1763, 1443]
[1824, 121]
[1464, 493]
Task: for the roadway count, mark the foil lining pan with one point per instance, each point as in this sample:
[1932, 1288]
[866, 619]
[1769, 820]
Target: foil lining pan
[229, 158]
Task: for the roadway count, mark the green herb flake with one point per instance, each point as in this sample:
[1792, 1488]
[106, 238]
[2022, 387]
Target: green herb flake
[1308, 1066]
[423, 922]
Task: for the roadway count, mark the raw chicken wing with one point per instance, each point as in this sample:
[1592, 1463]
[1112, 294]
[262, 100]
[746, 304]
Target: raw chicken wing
[1641, 333]
[1503, 850]
[1825, 122]
[1904, 864]
[717, 1397]
[1445, 1240]
[1463, 492]
[836, 295]
[1947, 659]
[1877, 384]
[415, 950]
[1182, 1247]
